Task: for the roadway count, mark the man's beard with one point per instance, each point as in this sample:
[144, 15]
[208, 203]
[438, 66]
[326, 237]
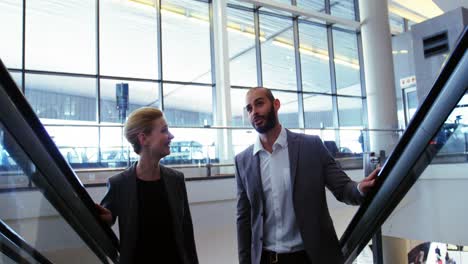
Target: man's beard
[270, 122]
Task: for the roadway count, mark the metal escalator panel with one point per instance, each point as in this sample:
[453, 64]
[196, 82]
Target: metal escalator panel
[41, 198]
[434, 135]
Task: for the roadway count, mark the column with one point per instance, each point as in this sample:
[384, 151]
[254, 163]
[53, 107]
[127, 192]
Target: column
[223, 114]
[381, 97]
[378, 70]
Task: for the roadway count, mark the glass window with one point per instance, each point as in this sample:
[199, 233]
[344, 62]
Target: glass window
[128, 39]
[188, 105]
[316, 5]
[192, 145]
[318, 111]
[78, 145]
[239, 3]
[59, 99]
[278, 59]
[242, 56]
[115, 151]
[240, 117]
[350, 111]
[288, 112]
[314, 58]
[17, 77]
[116, 104]
[30, 215]
[241, 139]
[61, 35]
[396, 23]
[186, 41]
[342, 8]
[350, 142]
[348, 78]
[11, 19]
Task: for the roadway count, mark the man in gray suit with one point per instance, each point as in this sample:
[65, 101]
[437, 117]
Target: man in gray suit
[282, 212]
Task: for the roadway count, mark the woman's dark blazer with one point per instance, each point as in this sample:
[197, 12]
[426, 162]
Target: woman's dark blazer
[121, 199]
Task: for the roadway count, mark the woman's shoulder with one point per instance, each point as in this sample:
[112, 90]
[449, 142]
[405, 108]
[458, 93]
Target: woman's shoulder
[171, 172]
[122, 176]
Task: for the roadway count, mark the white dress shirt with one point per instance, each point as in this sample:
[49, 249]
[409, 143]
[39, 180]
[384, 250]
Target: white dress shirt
[280, 231]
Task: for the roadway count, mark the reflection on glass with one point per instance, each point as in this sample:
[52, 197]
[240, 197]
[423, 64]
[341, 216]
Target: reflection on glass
[241, 38]
[186, 53]
[11, 175]
[318, 111]
[128, 39]
[5, 259]
[30, 215]
[58, 99]
[188, 105]
[411, 103]
[452, 139]
[436, 203]
[314, 58]
[116, 105]
[350, 111]
[342, 8]
[61, 36]
[348, 80]
[278, 58]
[11, 12]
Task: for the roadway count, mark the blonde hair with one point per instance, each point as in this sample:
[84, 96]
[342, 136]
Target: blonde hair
[140, 121]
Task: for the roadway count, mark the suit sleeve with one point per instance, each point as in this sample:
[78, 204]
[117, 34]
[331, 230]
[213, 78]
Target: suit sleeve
[109, 200]
[244, 231]
[343, 188]
[189, 238]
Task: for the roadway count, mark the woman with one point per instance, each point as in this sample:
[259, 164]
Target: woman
[149, 199]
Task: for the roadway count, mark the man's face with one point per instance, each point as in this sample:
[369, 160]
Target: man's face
[261, 110]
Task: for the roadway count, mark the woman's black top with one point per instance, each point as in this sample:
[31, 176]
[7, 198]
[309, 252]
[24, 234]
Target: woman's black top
[155, 238]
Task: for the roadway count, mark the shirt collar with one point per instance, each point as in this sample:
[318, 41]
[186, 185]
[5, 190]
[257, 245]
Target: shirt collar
[281, 141]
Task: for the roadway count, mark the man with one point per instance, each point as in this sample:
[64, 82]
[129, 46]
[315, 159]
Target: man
[282, 212]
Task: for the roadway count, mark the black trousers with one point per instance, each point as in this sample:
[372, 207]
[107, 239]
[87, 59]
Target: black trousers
[299, 257]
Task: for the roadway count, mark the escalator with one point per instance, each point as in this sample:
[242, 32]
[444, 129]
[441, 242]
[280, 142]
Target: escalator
[420, 144]
[46, 214]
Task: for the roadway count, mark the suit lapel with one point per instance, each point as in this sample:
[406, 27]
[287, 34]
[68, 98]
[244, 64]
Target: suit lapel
[254, 178]
[172, 197]
[132, 202]
[293, 151]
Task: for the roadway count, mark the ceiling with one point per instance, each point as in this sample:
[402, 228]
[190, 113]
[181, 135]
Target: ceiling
[420, 10]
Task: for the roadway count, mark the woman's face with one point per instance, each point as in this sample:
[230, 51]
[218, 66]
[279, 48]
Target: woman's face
[158, 141]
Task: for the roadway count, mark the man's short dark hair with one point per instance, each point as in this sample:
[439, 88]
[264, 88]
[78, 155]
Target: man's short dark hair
[268, 92]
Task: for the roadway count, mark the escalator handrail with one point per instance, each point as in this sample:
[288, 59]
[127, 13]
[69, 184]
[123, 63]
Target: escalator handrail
[408, 159]
[28, 128]
[18, 245]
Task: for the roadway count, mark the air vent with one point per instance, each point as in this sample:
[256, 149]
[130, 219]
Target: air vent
[435, 44]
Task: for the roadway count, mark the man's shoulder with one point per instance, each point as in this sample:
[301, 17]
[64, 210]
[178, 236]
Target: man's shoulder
[303, 137]
[245, 153]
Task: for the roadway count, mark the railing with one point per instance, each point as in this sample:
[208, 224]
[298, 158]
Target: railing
[415, 150]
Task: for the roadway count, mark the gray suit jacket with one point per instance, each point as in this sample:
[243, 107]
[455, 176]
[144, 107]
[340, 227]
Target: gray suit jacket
[122, 200]
[312, 169]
